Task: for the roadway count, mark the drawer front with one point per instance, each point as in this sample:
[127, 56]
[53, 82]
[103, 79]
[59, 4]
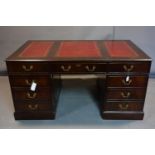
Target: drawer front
[26, 94]
[20, 115]
[27, 67]
[78, 67]
[23, 81]
[126, 94]
[128, 115]
[133, 81]
[33, 107]
[129, 67]
[123, 106]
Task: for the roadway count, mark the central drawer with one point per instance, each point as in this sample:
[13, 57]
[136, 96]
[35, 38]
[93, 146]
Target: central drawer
[79, 67]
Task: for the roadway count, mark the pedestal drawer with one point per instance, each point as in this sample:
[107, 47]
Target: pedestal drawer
[123, 106]
[26, 94]
[33, 107]
[27, 67]
[120, 81]
[126, 115]
[22, 81]
[126, 94]
[129, 67]
[34, 115]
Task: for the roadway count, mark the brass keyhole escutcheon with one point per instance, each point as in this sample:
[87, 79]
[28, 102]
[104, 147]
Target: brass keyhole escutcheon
[28, 82]
[123, 107]
[33, 107]
[128, 69]
[27, 69]
[31, 96]
[125, 95]
[66, 69]
[91, 69]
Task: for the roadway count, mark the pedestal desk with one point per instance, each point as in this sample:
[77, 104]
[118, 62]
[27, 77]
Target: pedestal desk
[34, 73]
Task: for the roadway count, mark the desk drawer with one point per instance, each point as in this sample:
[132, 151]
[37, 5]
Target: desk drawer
[120, 81]
[126, 94]
[27, 67]
[129, 67]
[79, 67]
[123, 106]
[20, 115]
[22, 81]
[26, 94]
[33, 107]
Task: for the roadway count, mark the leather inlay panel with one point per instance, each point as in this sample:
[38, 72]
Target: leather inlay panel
[37, 49]
[120, 49]
[78, 49]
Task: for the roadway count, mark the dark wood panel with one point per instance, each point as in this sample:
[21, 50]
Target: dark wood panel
[120, 81]
[125, 94]
[56, 87]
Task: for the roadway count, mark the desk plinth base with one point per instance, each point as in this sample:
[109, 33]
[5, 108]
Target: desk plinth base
[122, 115]
[34, 115]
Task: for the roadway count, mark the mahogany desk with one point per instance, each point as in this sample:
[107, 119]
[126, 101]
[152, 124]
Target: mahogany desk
[124, 66]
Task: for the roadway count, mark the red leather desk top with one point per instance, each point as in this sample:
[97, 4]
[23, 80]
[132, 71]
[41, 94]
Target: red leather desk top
[79, 50]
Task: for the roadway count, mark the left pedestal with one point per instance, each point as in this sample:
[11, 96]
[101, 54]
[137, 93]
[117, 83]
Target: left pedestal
[33, 103]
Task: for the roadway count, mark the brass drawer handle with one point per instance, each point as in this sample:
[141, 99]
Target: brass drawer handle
[123, 107]
[128, 69]
[90, 69]
[31, 96]
[27, 69]
[127, 83]
[66, 69]
[127, 95]
[28, 82]
[33, 107]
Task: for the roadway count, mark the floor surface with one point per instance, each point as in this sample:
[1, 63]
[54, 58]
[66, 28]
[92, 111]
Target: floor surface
[77, 108]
